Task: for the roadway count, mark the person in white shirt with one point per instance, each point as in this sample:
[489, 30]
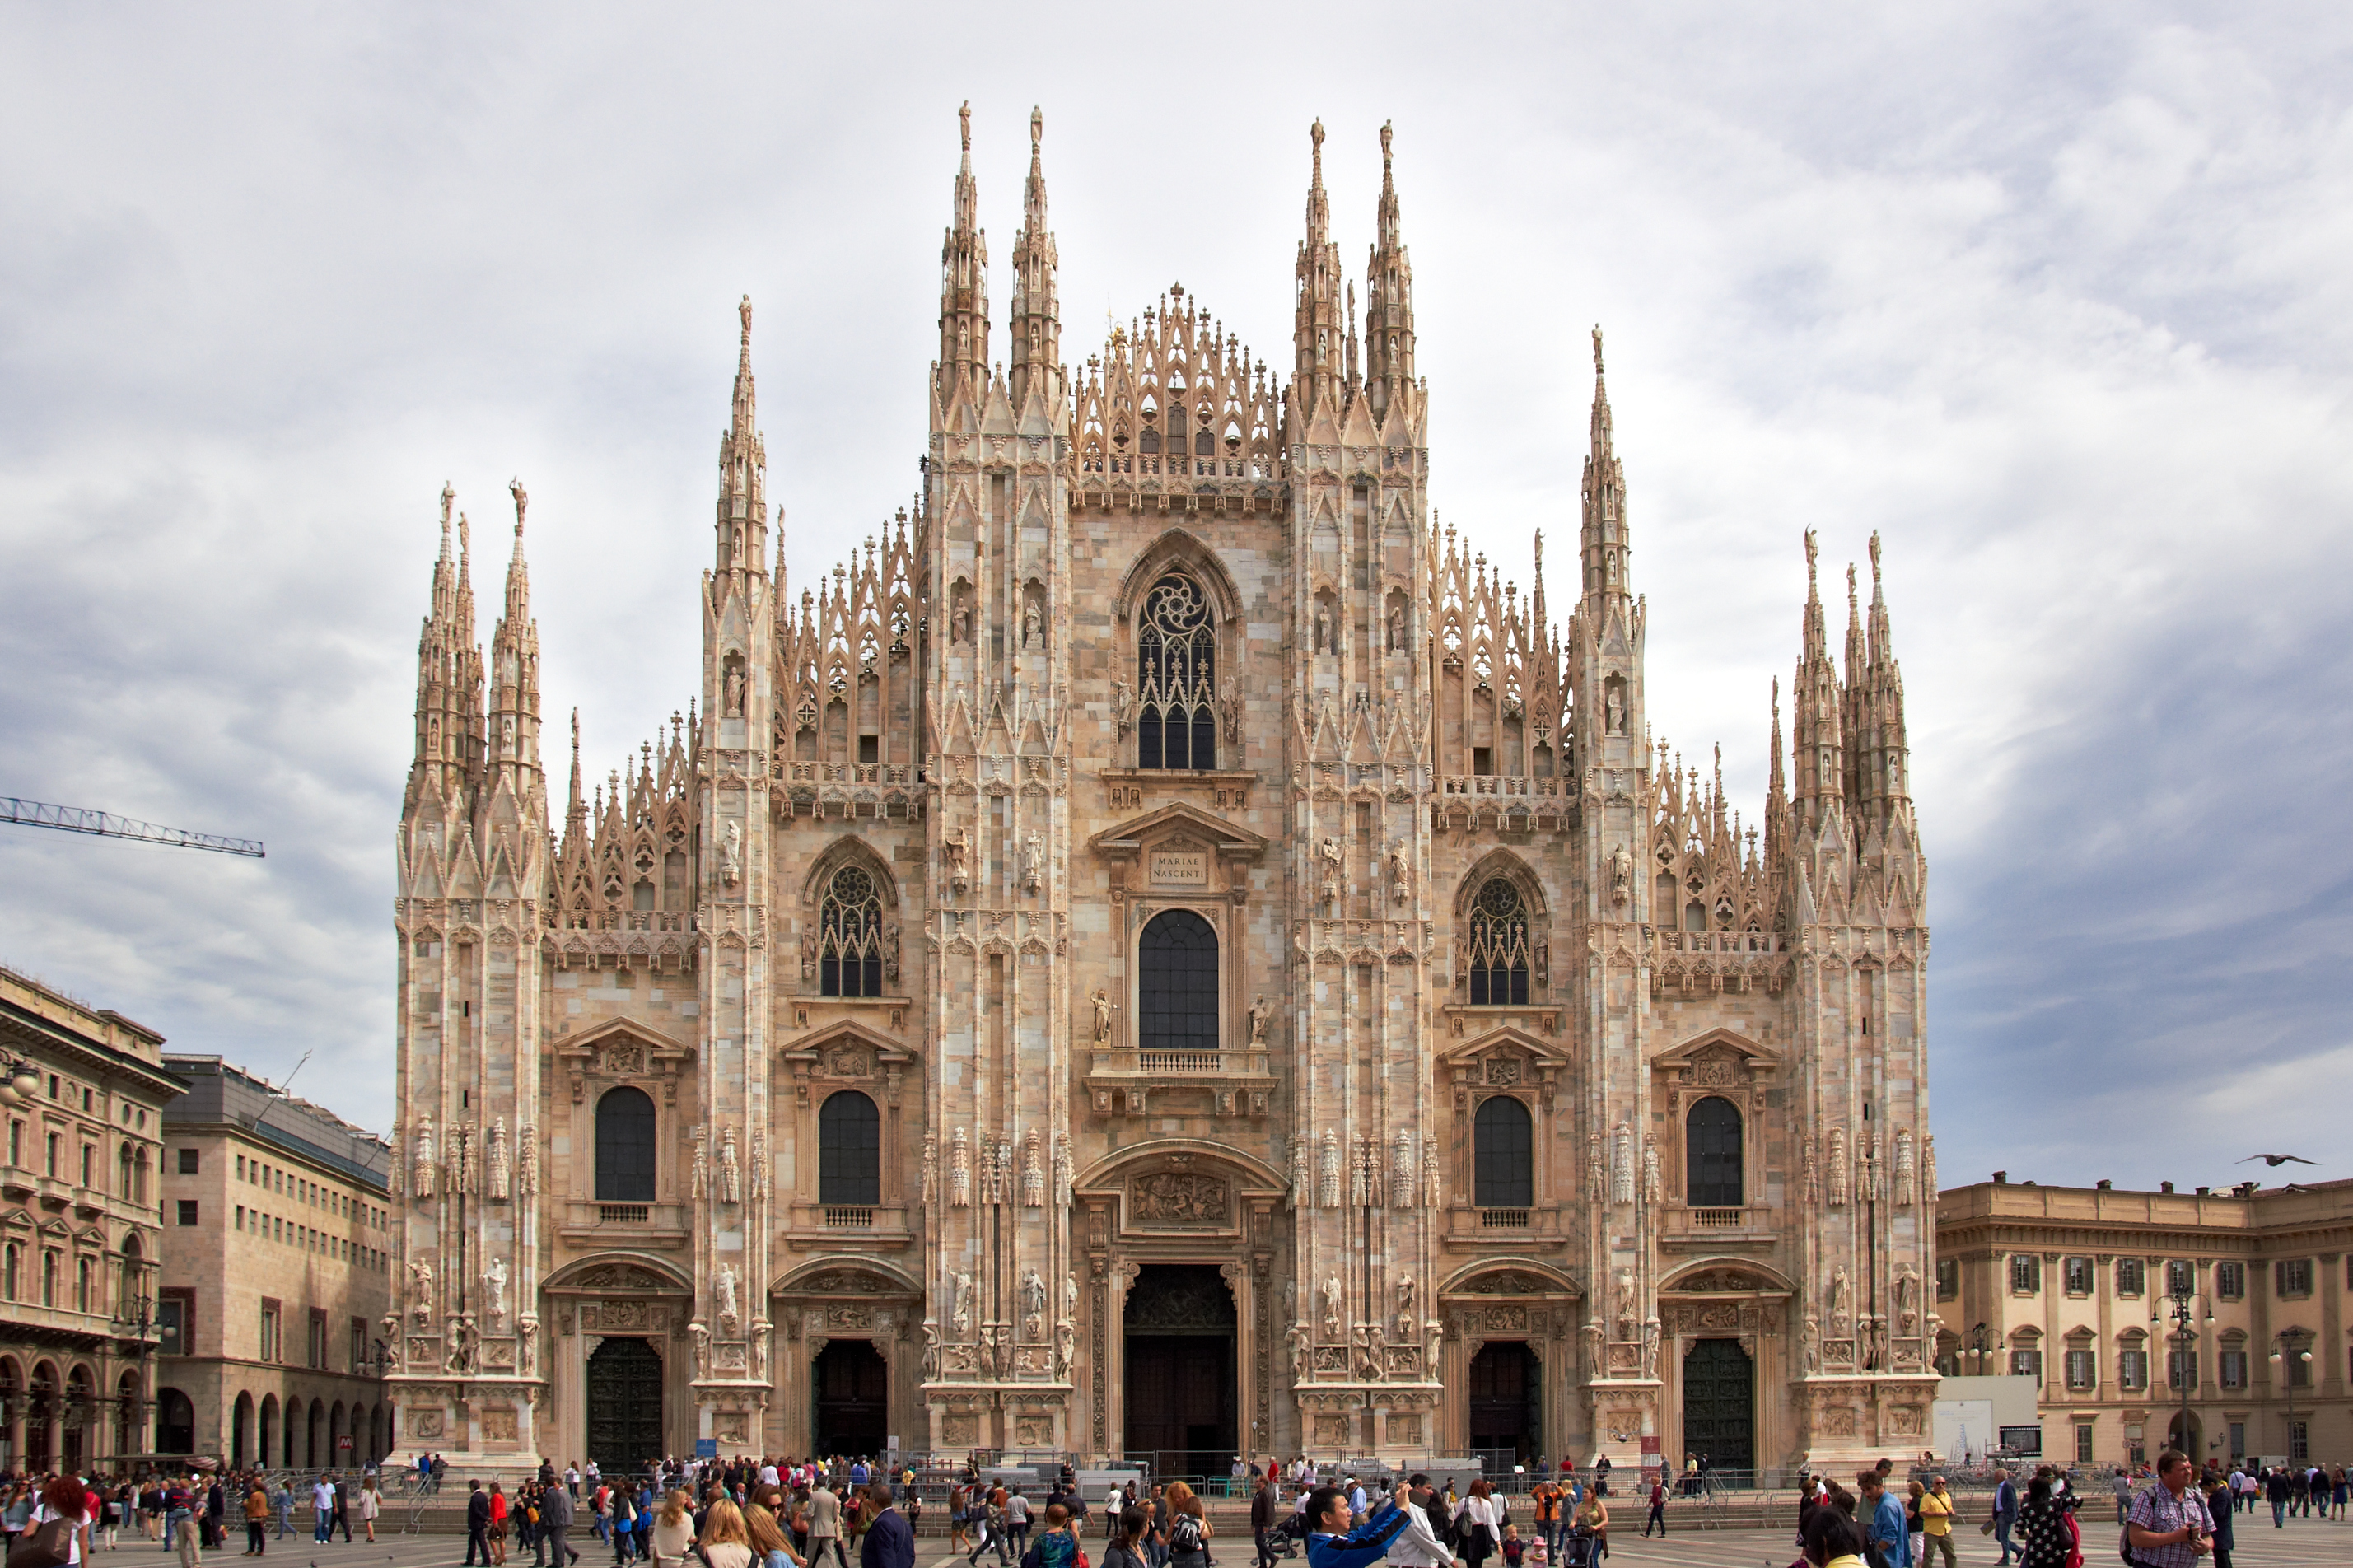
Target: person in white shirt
[1417, 1545]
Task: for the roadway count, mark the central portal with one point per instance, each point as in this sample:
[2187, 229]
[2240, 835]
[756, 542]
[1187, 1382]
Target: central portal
[625, 1405]
[1720, 1404]
[1180, 1369]
[851, 1383]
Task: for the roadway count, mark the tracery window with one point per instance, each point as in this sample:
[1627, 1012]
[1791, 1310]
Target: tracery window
[849, 935]
[1177, 677]
[1499, 946]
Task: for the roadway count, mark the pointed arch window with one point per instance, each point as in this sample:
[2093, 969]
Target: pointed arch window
[1177, 677]
[1499, 946]
[849, 935]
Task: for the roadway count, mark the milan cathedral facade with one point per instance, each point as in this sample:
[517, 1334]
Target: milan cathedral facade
[1162, 955]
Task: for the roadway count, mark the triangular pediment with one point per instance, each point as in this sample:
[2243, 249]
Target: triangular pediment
[1230, 839]
[848, 1035]
[1719, 1043]
[618, 1031]
[1508, 1040]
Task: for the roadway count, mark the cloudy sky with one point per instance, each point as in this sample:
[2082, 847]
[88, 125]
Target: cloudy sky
[2055, 298]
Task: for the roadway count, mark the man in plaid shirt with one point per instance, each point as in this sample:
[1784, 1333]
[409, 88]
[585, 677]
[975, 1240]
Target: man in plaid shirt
[2168, 1525]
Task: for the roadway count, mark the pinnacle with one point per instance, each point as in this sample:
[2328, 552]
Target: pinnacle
[521, 501]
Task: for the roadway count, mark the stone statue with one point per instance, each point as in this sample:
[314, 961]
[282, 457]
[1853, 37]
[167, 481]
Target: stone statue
[1596, 1178]
[526, 1161]
[1430, 1193]
[420, 1291]
[1033, 1302]
[1323, 630]
[1434, 1333]
[1841, 1312]
[1651, 1191]
[1651, 1347]
[1066, 1350]
[1297, 1335]
[734, 693]
[1327, 1176]
[726, 1281]
[1813, 1171]
[961, 627]
[457, 1351]
[1070, 1298]
[1622, 1286]
[527, 1345]
[931, 1168]
[760, 1331]
[1397, 628]
[495, 1285]
[1928, 1167]
[1401, 1170]
[1033, 862]
[1330, 853]
[1300, 1192]
[960, 1321]
[1103, 1006]
[700, 1336]
[502, 1163]
[1614, 705]
[931, 1349]
[1622, 876]
[1331, 1296]
[1837, 1167]
[423, 1154]
[1032, 633]
[1257, 1016]
[1400, 873]
[1621, 1168]
[698, 1162]
[957, 844]
[1811, 1338]
[1405, 1293]
[1122, 705]
[731, 1170]
[730, 854]
[1904, 1165]
[1907, 1299]
[959, 1170]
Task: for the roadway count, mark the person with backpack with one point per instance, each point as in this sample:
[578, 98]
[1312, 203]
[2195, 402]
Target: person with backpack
[2167, 1526]
[1057, 1547]
[58, 1531]
[1186, 1529]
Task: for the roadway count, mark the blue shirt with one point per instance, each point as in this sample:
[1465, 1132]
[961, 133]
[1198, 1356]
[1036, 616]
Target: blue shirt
[1365, 1545]
[1887, 1525]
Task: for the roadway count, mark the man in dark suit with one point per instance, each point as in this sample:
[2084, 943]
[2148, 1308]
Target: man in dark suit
[477, 1525]
[888, 1542]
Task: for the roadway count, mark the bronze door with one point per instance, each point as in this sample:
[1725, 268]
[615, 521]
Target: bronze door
[625, 1405]
[1719, 1405]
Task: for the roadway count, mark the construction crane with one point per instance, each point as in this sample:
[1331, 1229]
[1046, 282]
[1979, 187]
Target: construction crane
[106, 824]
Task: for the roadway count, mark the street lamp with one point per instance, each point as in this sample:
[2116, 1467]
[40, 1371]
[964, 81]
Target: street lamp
[19, 1080]
[2289, 1356]
[2183, 1311]
[1980, 1343]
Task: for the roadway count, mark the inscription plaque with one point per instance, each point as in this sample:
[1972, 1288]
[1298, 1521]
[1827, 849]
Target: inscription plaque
[1180, 868]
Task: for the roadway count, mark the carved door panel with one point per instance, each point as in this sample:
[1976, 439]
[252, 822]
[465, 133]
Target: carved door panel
[625, 1404]
[1719, 1405]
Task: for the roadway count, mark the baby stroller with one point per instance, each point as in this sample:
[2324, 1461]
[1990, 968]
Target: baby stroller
[1576, 1550]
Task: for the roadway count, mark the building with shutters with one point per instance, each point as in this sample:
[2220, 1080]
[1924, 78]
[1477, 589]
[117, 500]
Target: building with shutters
[1163, 952]
[2076, 1288]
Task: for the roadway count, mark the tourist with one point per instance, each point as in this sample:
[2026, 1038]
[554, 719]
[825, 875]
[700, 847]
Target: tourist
[1479, 1527]
[556, 1516]
[1186, 1529]
[1420, 1544]
[1336, 1539]
[478, 1524]
[1912, 1493]
[1546, 1496]
[322, 1508]
[1882, 1518]
[960, 1504]
[824, 1526]
[2223, 1512]
[1017, 1522]
[724, 1541]
[1590, 1524]
[1937, 1516]
[256, 1518]
[2168, 1526]
[371, 1504]
[64, 1508]
[1833, 1540]
[498, 1531]
[2005, 1513]
[2123, 1487]
[673, 1533]
[760, 1528]
[1127, 1529]
[1658, 1514]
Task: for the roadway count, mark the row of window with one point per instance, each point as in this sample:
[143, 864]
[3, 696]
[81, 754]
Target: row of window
[849, 1143]
[310, 1238]
[130, 1161]
[2291, 1277]
[2082, 1369]
[301, 1188]
[12, 1284]
[1503, 1155]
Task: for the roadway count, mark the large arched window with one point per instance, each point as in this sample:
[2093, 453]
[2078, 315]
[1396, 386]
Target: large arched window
[1177, 677]
[1176, 996]
[1712, 1178]
[625, 1147]
[849, 935]
[1499, 946]
[1504, 1145]
[850, 1151]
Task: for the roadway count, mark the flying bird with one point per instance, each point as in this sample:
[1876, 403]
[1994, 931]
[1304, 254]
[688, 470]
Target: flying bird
[2276, 1161]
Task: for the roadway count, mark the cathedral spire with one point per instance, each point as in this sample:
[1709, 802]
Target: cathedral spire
[1037, 317]
[963, 370]
[1817, 743]
[1857, 780]
[1777, 786]
[513, 738]
[1888, 754]
[1318, 334]
[575, 811]
[449, 679]
[1605, 545]
[1389, 303]
[743, 521]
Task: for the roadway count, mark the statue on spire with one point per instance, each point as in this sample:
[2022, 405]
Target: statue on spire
[963, 119]
[744, 311]
[521, 499]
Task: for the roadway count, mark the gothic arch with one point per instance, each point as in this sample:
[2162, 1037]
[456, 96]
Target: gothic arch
[1177, 549]
[1502, 863]
[847, 849]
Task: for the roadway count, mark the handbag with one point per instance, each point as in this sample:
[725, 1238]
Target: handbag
[46, 1545]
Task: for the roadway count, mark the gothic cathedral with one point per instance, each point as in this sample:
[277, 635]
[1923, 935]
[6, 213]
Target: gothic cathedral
[1162, 956]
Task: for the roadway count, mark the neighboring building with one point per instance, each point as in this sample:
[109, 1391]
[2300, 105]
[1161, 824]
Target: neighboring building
[78, 1241]
[1166, 954]
[277, 1263]
[2073, 1286]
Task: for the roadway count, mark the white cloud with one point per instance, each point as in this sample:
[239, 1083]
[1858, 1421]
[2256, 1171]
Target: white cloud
[2052, 300]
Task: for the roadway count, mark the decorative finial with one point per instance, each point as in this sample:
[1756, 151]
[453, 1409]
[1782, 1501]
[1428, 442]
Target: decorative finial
[1316, 136]
[1849, 585]
[1875, 561]
[1596, 348]
[449, 495]
[465, 538]
[1037, 128]
[576, 737]
[521, 499]
[1385, 152]
[744, 311]
[1811, 550]
[963, 119]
